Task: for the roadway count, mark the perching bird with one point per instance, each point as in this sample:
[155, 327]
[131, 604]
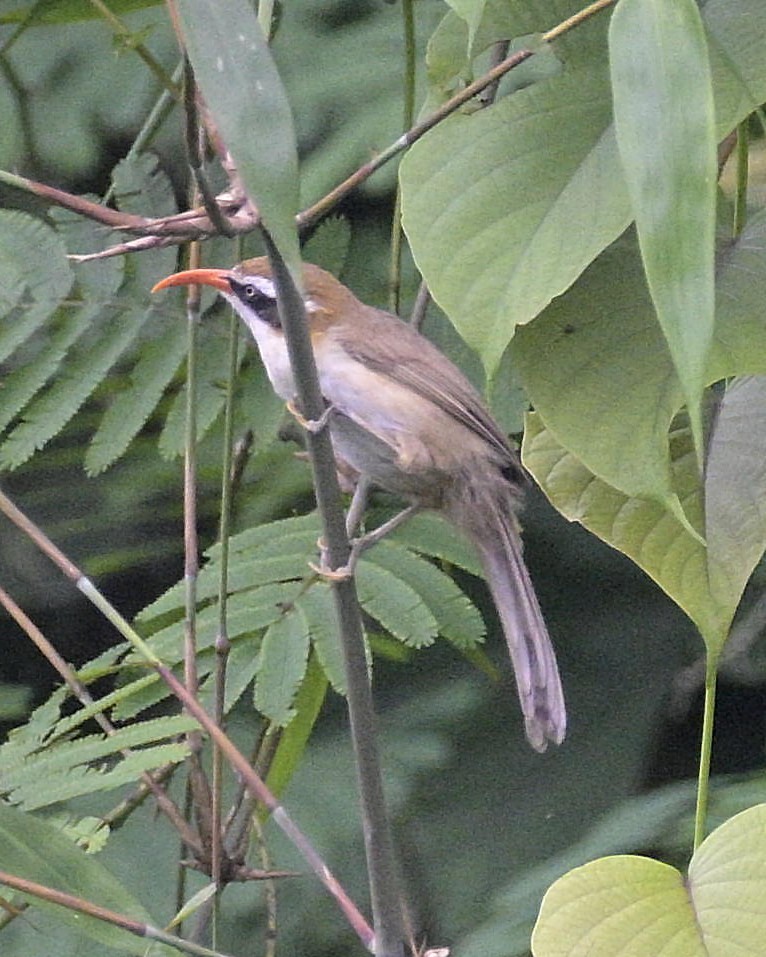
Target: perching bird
[406, 418]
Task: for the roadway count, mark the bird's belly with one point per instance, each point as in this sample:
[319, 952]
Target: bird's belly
[383, 464]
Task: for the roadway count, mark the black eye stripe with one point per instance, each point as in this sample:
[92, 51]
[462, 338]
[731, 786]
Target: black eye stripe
[259, 301]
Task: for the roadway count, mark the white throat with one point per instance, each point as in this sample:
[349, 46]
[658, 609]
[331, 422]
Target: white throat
[271, 342]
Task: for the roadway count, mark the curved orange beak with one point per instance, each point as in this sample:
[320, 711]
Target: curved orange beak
[218, 278]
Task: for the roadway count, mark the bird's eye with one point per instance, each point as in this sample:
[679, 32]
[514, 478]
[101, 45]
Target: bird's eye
[250, 291]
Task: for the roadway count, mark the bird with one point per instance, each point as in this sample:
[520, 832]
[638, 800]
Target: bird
[405, 418]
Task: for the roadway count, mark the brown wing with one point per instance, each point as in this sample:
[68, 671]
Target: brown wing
[396, 349]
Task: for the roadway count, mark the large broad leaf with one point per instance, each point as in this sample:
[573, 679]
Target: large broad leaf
[489, 200]
[706, 581]
[35, 13]
[505, 208]
[650, 534]
[597, 367]
[33, 849]
[735, 487]
[242, 88]
[635, 907]
[664, 119]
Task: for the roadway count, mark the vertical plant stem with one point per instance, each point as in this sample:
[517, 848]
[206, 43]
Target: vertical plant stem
[222, 643]
[191, 545]
[395, 268]
[706, 747]
[381, 866]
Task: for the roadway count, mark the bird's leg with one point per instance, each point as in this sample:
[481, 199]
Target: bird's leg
[366, 541]
[361, 544]
[310, 425]
[357, 506]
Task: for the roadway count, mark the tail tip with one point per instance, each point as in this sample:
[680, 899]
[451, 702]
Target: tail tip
[544, 731]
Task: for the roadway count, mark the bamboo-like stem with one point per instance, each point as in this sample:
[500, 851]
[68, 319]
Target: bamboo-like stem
[381, 866]
[222, 643]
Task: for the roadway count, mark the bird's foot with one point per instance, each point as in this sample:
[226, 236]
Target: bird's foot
[358, 546]
[310, 425]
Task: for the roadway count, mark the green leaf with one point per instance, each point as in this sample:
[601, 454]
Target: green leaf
[472, 12]
[63, 769]
[635, 907]
[456, 617]
[279, 561]
[142, 188]
[651, 535]
[736, 36]
[490, 199]
[317, 606]
[36, 277]
[735, 487]
[488, 202]
[282, 666]
[32, 849]
[247, 612]
[158, 363]
[27, 379]
[430, 534]
[642, 821]
[242, 88]
[212, 371]
[597, 368]
[396, 605]
[68, 11]
[294, 738]
[241, 667]
[85, 369]
[81, 781]
[664, 120]
[329, 244]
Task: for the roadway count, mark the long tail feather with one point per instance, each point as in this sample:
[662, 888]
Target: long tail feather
[532, 654]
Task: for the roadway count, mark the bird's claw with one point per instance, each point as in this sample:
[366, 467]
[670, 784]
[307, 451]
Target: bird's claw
[310, 425]
[343, 572]
[335, 575]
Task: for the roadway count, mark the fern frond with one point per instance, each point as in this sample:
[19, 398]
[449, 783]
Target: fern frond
[457, 618]
[36, 277]
[392, 602]
[211, 374]
[78, 781]
[27, 379]
[87, 366]
[281, 667]
[130, 409]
